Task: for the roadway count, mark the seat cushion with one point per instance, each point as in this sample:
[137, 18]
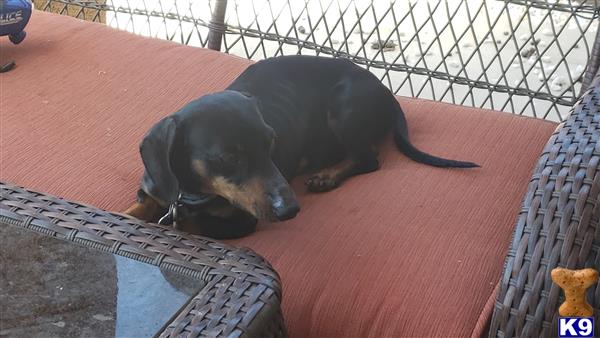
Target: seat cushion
[409, 250]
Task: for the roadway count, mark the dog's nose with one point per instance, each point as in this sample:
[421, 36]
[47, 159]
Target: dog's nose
[288, 212]
[284, 211]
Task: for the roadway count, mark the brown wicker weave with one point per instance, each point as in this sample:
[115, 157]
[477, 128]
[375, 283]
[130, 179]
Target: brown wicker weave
[241, 295]
[558, 226]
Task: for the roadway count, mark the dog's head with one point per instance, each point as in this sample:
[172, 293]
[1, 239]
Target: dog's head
[219, 145]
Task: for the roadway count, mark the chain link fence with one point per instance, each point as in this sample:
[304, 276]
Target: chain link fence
[521, 56]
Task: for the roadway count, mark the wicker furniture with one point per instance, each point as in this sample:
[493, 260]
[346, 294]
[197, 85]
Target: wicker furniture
[241, 293]
[558, 226]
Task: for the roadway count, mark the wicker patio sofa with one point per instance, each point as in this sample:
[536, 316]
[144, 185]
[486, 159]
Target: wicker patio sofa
[409, 250]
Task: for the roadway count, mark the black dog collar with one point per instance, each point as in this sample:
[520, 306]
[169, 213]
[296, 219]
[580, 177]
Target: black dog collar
[187, 200]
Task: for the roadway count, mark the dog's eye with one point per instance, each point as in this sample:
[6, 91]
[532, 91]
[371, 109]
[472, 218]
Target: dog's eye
[224, 162]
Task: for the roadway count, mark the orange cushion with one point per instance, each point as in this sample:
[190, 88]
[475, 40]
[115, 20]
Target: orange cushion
[409, 250]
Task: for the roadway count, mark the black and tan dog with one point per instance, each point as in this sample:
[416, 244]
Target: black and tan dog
[223, 161]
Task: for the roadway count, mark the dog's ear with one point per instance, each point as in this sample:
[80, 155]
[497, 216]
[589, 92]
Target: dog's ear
[259, 105]
[159, 180]
[254, 98]
[246, 94]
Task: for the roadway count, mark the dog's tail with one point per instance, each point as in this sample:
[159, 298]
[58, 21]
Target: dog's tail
[403, 143]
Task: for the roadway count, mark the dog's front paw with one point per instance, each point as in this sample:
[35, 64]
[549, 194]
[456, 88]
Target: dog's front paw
[321, 183]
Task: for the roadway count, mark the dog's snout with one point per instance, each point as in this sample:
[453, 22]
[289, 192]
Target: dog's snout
[281, 196]
[283, 208]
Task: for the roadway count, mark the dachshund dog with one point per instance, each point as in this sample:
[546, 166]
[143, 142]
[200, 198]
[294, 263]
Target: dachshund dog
[224, 161]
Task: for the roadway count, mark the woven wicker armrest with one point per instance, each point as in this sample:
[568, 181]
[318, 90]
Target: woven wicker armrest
[241, 292]
[558, 226]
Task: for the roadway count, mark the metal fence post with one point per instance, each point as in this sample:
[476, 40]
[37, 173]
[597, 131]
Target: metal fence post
[217, 25]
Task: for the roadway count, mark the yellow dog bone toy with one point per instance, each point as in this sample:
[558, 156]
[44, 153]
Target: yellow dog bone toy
[574, 283]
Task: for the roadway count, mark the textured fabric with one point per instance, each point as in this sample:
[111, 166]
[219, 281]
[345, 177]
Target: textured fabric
[409, 250]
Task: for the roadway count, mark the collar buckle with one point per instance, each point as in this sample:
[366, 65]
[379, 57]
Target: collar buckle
[170, 218]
